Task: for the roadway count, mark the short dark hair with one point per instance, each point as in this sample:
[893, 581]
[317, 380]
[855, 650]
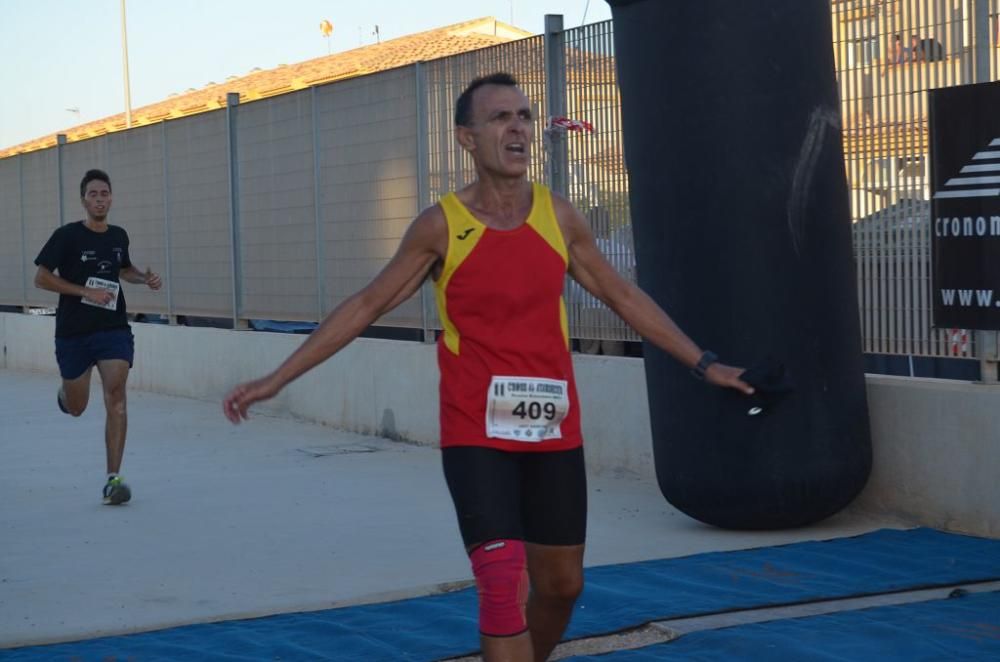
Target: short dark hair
[463, 107]
[90, 176]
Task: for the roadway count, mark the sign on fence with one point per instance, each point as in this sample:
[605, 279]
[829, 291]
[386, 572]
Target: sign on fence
[965, 205]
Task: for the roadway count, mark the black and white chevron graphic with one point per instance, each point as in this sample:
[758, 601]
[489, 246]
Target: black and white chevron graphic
[978, 179]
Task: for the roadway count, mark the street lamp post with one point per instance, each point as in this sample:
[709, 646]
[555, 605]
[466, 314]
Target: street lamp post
[128, 93]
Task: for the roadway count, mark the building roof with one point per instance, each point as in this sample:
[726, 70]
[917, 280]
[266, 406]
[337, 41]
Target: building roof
[258, 84]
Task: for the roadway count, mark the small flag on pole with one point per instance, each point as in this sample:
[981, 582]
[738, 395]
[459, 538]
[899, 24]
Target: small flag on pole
[567, 124]
[326, 27]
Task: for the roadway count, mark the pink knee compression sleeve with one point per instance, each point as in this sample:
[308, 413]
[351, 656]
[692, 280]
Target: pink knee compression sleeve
[500, 568]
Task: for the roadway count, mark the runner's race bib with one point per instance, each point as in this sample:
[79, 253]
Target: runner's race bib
[526, 408]
[96, 283]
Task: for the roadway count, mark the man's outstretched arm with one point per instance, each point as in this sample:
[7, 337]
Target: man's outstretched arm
[592, 270]
[419, 250]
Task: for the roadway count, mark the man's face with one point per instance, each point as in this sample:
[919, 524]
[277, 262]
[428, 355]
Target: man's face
[97, 199]
[499, 137]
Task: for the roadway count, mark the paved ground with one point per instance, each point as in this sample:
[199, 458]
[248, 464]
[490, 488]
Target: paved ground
[275, 515]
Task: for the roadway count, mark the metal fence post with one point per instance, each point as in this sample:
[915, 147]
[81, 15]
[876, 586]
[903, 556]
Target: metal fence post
[989, 355]
[423, 190]
[557, 164]
[60, 141]
[232, 101]
[24, 238]
[986, 341]
[167, 270]
[981, 41]
[320, 248]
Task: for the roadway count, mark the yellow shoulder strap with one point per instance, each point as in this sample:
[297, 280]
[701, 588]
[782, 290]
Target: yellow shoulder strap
[543, 220]
[464, 232]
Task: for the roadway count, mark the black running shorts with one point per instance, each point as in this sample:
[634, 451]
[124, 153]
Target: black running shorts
[76, 354]
[538, 497]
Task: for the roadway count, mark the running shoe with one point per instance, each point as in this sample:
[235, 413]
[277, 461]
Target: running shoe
[59, 402]
[116, 492]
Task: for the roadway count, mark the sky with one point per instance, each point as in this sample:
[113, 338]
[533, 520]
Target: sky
[62, 59]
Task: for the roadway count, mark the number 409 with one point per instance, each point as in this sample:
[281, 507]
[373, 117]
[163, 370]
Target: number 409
[535, 410]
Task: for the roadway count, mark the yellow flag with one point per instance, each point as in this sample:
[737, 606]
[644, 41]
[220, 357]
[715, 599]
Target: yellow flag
[326, 27]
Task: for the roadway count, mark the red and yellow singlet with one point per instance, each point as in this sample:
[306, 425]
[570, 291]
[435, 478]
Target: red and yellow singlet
[506, 370]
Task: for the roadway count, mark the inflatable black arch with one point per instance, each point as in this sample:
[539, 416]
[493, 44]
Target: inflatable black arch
[742, 233]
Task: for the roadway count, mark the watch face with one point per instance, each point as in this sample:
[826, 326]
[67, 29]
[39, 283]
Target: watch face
[707, 359]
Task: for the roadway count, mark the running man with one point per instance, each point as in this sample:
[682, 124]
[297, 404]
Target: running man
[498, 252]
[85, 263]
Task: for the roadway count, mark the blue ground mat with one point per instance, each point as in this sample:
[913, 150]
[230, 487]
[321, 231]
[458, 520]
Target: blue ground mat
[966, 628]
[616, 597]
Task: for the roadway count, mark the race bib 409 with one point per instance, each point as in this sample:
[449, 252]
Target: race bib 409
[526, 409]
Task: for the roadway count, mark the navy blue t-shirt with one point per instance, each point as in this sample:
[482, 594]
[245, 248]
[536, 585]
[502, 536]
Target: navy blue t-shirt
[76, 253]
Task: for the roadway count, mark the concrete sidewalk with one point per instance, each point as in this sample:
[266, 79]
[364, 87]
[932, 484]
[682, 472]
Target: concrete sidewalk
[272, 516]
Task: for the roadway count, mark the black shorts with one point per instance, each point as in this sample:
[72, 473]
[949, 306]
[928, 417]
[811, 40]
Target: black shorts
[538, 497]
[77, 353]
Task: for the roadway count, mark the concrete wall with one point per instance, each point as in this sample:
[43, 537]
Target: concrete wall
[936, 449]
[936, 442]
[381, 387]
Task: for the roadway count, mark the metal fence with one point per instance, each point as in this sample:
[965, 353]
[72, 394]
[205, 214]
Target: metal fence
[889, 54]
[280, 208]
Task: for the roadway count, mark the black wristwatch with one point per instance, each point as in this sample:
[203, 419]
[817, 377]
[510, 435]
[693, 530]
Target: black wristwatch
[707, 359]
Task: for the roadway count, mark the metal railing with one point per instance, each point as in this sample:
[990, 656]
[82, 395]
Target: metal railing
[280, 208]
